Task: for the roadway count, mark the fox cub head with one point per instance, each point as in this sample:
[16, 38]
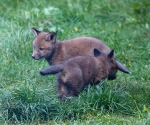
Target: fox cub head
[110, 63]
[113, 64]
[43, 44]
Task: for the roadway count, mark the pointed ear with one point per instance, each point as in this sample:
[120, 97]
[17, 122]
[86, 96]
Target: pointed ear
[35, 31]
[96, 52]
[111, 54]
[51, 36]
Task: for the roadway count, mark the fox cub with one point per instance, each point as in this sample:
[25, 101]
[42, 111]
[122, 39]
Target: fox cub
[78, 72]
[46, 45]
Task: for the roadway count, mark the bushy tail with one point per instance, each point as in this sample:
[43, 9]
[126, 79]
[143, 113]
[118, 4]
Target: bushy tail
[122, 68]
[52, 70]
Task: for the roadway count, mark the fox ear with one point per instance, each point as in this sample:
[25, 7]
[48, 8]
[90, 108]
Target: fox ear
[51, 36]
[111, 54]
[35, 31]
[96, 52]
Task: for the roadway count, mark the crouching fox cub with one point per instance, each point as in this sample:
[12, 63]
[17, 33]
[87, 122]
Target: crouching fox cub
[45, 45]
[76, 73]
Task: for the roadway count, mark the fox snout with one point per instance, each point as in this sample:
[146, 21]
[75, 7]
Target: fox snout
[36, 57]
[33, 57]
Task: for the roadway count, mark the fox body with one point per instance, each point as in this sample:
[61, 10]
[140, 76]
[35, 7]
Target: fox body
[46, 45]
[78, 72]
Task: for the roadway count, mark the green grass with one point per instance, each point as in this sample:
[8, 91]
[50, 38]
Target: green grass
[28, 98]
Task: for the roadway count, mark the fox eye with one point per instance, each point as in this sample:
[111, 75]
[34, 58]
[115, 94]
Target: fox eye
[41, 49]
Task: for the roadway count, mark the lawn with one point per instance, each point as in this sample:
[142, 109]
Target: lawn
[28, 98]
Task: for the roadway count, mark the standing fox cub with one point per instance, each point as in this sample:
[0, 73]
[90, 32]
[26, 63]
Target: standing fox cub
[45, 45]
[76, 73]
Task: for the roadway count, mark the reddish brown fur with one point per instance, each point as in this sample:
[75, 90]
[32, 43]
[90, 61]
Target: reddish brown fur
[78, 72]
[45, 45]
[67, 48]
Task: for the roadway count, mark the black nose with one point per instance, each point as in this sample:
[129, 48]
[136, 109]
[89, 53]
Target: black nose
[33, 57]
